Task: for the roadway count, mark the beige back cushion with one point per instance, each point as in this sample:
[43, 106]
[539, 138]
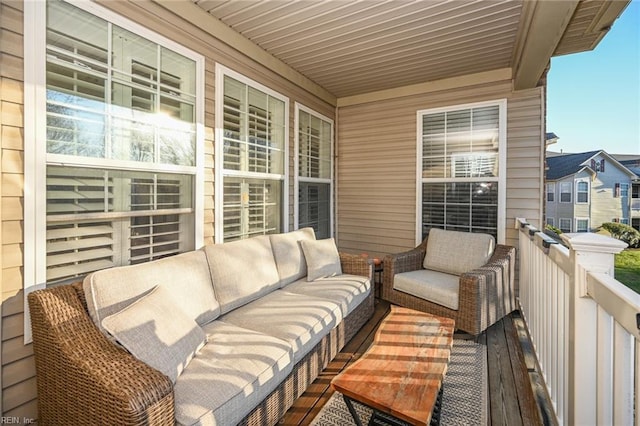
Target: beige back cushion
[456, 252]
[157, 332]
[186, 276]
[288, 254]
[242, 271]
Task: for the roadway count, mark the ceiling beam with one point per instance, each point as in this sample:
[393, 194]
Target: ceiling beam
[450, 83]
[195, 15]
[542, 26]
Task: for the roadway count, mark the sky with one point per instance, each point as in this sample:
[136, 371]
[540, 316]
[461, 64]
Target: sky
[593, 98]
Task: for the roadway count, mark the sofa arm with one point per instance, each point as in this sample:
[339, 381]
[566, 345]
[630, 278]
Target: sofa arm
[487, 293]
[356, 265]
[82, 377]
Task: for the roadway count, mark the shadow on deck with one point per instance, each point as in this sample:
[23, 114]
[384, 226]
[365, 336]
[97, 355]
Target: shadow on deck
[517, 395]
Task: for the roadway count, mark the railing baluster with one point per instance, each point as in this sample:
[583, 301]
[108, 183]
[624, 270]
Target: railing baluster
[604, 387]
[623, 374]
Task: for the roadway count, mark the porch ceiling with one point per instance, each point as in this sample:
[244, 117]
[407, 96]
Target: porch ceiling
[356, 47]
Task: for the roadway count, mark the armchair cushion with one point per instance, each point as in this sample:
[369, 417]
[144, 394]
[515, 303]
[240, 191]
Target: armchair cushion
[157, 332]
[322, 257]
[454, 252]
[434, 286]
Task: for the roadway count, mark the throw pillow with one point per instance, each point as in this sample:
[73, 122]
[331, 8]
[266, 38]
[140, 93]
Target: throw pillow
[157, 332]
[322, 258]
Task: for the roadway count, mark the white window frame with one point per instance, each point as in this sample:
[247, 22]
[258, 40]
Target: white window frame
[550, 221]
[624, 220]
[560, 192]
[502, 162]
[552, 186]
[296, 185]
[578, 219]
[624, 190]
[221, 173]
[35, 128]
[576, 185]
[568, 220]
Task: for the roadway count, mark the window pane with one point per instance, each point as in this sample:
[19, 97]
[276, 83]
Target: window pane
[253, 129]
[315, 208]
[469, 207]
[86, 191]
[314, 146]
[251, 207]
[461, 144]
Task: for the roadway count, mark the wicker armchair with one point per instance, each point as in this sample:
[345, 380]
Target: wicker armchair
[486, 294]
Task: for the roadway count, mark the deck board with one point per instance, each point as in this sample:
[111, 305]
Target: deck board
[512, 399]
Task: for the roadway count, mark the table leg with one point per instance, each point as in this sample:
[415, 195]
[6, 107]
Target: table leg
[352, 410]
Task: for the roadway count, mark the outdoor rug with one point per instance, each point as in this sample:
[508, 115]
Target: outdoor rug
[464, 399]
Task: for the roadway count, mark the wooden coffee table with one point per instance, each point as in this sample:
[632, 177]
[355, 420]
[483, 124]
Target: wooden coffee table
[400, 375]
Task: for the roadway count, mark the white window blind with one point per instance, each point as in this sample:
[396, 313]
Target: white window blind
[565, 192]
[314, 165]
[460, 168]
[253, 160]
[582, 192]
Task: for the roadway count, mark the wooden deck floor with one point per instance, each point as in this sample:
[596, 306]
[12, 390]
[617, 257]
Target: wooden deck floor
[516, 395]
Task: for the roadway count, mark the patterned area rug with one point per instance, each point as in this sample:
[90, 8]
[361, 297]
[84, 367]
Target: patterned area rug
[464, 399]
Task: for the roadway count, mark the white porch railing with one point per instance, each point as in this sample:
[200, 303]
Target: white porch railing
[584, 326]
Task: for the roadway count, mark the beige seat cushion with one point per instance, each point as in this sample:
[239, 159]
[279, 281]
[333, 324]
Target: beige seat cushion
[157, 332]
[230, 376]
[300, 320]
[242, 271]
[186, 276]
[322, 257]
[288, 254]
[455, 252]
[348, 291]
[434, 286]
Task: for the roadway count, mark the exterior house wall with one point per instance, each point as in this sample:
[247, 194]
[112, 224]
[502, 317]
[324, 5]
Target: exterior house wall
[377, 164]
[17, 378]
[606, 207]
[565, 210]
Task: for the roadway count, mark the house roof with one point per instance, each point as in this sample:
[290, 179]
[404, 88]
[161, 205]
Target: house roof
[561, 165]
[569, 164]
[341, 49]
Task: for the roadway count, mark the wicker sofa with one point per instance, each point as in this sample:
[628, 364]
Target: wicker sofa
[268, 333]
[457, 275]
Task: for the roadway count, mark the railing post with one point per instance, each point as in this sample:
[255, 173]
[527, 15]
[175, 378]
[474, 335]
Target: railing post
[588, 253]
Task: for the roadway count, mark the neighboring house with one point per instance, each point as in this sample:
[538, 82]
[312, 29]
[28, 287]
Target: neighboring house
[587, 189]
[632, 162]
[133, 130]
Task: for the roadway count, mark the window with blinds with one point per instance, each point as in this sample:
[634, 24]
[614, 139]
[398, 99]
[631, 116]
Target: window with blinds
[121, 146]
[253, 160]
[460, 168]
[582, 192]
[314, 171]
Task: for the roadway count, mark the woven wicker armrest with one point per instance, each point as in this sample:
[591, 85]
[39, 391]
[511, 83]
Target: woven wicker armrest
[82, 377]
[487, 294]
[356, 265]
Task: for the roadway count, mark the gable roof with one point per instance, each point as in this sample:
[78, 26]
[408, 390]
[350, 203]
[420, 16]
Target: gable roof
[562, 165]
[565, 165]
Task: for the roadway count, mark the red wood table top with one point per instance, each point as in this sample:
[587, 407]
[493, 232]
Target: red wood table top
[401, 373]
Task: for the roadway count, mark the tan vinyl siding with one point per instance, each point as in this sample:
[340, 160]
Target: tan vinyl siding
[17, 378]
[377, 164]
[18, 371]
